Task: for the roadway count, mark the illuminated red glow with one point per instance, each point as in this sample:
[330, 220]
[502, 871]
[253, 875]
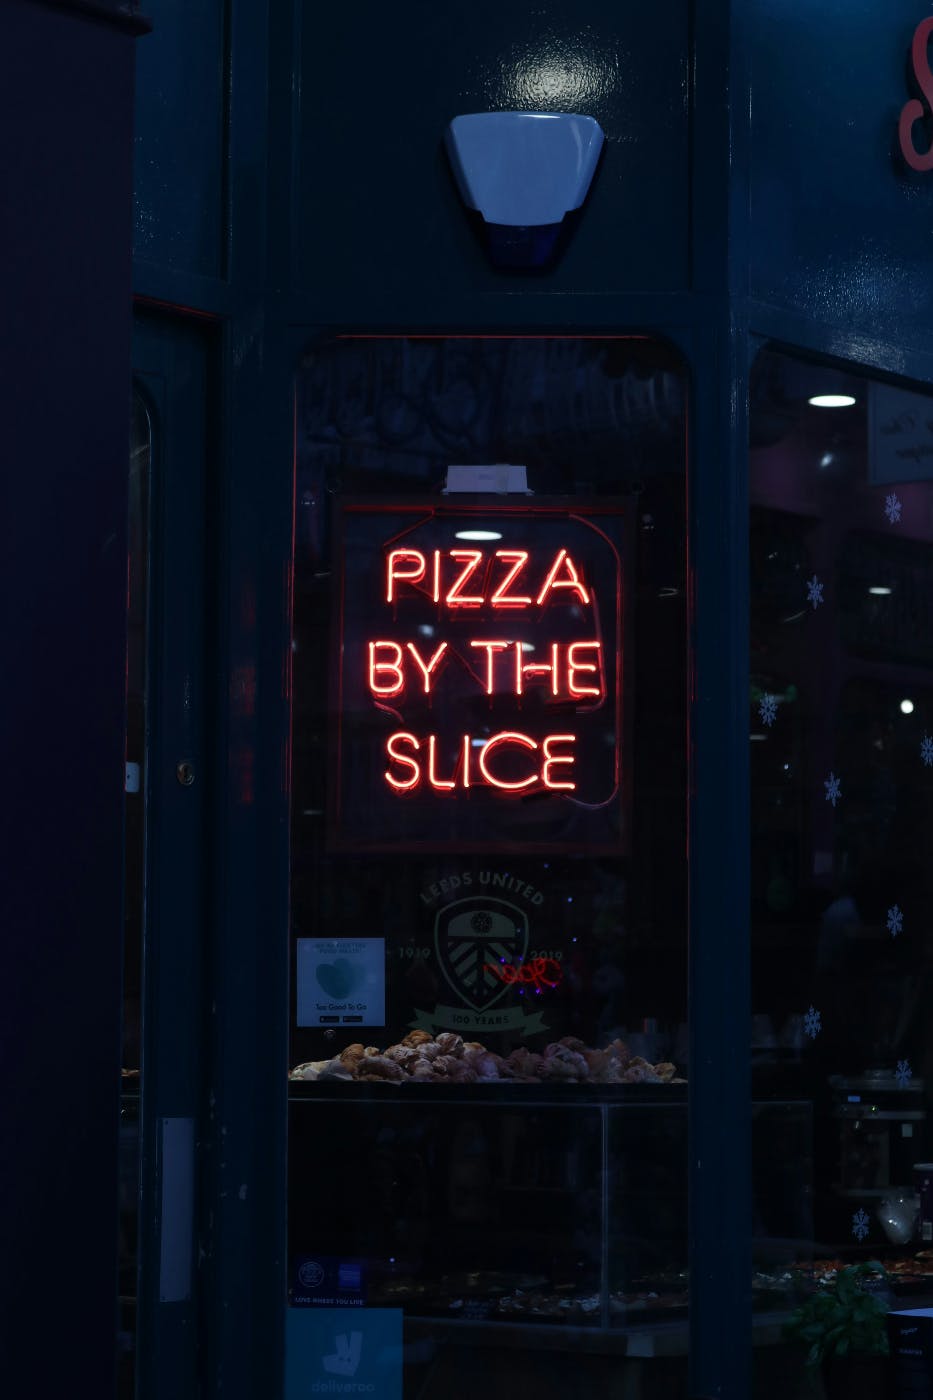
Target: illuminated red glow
[567, 673]
[509, 761]
[508, 736]
[395, 573]
[386, 660]
[502, 598]
[538, 972]
[391, 663]
[455, 597]
[405, 751]
[477, 570]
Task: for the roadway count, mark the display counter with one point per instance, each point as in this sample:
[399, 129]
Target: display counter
[509, 1208]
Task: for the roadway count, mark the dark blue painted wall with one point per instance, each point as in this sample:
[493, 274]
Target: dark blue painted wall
[841, 231]
[179, 203]
[376, 210]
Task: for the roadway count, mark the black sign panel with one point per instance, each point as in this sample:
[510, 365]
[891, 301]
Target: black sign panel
[477, 677]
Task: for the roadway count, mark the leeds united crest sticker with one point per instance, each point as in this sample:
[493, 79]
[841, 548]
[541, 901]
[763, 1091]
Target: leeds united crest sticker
[474, 939]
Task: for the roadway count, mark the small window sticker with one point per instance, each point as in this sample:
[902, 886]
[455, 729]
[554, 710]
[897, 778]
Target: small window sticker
[341, 982]
[343, 1351]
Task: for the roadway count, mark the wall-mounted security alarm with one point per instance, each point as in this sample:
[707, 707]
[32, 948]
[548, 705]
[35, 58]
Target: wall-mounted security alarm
[523, 172]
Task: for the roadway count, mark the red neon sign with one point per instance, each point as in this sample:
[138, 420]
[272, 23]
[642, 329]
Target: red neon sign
[407, 767]
[915, 110]
[471, 682]
[537, 972]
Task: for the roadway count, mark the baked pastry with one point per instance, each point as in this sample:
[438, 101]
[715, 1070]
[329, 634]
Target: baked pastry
[447, 1058]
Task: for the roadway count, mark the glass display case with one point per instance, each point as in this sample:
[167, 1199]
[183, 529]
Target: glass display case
[502, 1209]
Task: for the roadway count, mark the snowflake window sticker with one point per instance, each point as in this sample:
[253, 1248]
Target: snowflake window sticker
[814, 591]
[895, 921]
[767, 709]
[833, 788]
[892, 508]
[926, 751]
[903, 1074]
[860, 1223]
[813, 1023]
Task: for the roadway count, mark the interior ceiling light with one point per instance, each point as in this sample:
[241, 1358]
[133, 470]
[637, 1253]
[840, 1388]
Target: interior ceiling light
[832, 400]
[879, 590]
[478, 535]
[907, 707]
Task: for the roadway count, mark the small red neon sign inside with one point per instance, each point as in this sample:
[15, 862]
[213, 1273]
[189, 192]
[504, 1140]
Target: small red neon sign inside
[537, 972]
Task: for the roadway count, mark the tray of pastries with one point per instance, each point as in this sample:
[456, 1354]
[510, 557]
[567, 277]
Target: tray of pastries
[421, 1058]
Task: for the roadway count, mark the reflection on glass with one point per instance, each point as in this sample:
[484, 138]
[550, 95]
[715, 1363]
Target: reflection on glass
[134, 883]
[841, 715]
[489, 1049]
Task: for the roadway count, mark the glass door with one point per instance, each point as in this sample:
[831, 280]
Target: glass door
[487, 1106]
[165, 917]
[137, 685]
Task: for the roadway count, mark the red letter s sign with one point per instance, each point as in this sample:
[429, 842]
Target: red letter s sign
[914, 110]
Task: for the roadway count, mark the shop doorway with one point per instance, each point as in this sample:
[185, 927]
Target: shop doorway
[165, 918]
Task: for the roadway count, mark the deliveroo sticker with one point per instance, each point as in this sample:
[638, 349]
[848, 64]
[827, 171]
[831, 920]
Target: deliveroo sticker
[343, 1351]
[341, 982]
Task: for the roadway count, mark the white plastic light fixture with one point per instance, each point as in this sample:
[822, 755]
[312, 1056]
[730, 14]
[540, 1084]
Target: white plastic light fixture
[832, 400]
[523, 172]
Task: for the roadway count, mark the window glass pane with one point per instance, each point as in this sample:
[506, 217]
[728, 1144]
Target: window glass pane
[487, 1107]
[841, 719]
[134, 882]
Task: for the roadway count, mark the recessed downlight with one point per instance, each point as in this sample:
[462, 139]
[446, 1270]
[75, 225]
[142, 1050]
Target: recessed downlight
[478, 535]
[832, 400]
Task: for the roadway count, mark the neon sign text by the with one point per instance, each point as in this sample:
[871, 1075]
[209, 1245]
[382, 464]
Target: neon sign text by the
[572, 672]
[413, 761]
